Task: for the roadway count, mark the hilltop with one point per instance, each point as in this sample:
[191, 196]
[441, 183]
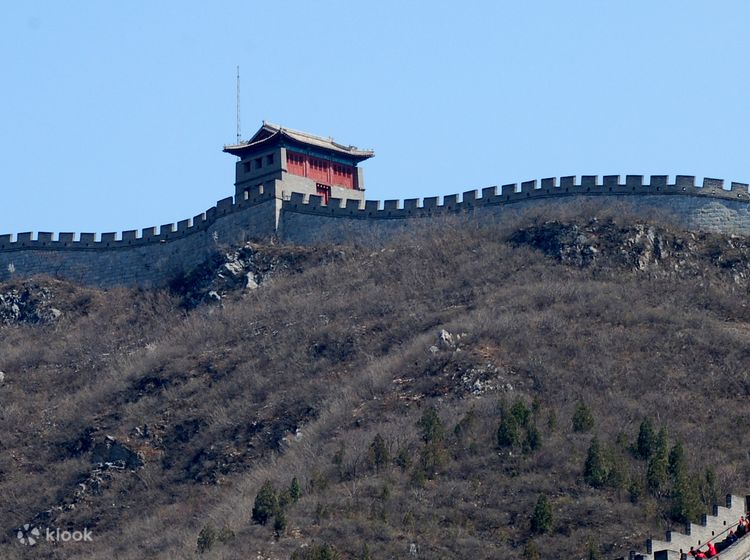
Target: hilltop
[427, 392]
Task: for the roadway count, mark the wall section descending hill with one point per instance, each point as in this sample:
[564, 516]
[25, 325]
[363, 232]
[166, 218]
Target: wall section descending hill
[147, 258]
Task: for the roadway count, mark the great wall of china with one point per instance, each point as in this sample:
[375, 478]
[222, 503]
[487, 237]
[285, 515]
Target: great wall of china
[715, 527]
[153, 257]
[292, 187]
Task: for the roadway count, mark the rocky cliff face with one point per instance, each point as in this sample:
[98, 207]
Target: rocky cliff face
[30, 303]
[244, 268]
[642, 247]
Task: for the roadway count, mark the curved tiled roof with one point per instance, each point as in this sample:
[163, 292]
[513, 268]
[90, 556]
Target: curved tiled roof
[269, 131]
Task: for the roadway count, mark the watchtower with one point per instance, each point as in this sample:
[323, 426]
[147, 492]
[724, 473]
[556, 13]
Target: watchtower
[292, 161]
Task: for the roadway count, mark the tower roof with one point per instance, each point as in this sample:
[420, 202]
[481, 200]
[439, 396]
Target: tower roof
[270, 133]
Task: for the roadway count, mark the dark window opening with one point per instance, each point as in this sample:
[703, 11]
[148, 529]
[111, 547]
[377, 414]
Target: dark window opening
[258, 163]
[269, 159]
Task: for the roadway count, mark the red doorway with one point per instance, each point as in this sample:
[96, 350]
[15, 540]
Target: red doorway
[323, 191]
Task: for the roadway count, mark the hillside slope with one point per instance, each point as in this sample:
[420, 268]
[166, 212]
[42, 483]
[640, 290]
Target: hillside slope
[425, 395]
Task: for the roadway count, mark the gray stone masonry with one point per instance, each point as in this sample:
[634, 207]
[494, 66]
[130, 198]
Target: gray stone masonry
[151, 257]
[709, 207]
[154, 256]
[714, 527]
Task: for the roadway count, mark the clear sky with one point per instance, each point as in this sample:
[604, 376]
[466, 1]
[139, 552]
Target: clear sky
[113, 114]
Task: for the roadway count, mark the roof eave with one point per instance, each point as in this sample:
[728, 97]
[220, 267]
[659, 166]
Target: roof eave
[358, 155]
[237, 149]
[352, 152]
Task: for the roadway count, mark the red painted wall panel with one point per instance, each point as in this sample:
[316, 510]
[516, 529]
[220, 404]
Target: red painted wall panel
[295, 163]
[343, 175]
[321, 170]
[317, 170]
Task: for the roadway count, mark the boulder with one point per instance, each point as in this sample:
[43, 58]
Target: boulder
[446, 340]
[111, 453]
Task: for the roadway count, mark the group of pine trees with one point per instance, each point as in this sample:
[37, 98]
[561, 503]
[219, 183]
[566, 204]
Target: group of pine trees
[661, 470]
[667, 475]
[271, 504]
[518, 427]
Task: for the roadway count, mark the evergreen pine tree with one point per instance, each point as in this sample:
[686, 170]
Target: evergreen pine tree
[686, 503]
[533, 439]
[266, 504]
[708, 493]
[295, 491]
[656, 474]
[646, 439]
[521, 413]
[431, 426]
[658, 464]
[279, 523]
[595, 470]
[431, 458]
[507, 432]
[541, 518]
[433, 454]
[378, 453]
[635, 489]
[661, 443]
[676, 460]
[583, 419]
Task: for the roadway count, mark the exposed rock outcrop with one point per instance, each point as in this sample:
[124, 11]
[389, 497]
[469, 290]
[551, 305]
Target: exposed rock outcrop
[112, 453]
[638, 247]
[28, 304]
[242, 269]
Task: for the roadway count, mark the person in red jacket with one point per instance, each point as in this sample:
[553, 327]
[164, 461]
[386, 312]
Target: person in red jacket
[696, 553]
[711, 550]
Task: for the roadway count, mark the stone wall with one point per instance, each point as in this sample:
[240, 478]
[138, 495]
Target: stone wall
[152, 257]
[714, 527]
[146, 258]
[708, 207]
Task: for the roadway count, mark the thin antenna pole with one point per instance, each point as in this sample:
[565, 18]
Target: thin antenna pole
[239, 126]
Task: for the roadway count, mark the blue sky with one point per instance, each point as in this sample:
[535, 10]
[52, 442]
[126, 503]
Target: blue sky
[114, 113]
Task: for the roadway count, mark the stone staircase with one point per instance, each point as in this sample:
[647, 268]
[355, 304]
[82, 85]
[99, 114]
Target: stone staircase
[714, 527]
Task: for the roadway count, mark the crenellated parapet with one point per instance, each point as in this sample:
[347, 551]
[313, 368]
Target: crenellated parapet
[134, 238]
[588, 185]
[154, 255]
[714, 527]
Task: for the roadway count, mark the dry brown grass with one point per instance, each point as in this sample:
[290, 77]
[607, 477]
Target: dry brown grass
[340, 351]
